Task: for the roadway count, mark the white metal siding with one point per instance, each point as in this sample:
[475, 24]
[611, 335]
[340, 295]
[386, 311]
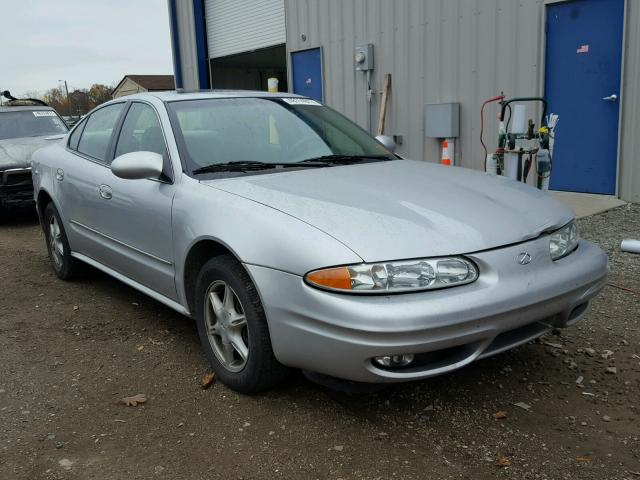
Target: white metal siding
[629, 173]
[235, 26]
[436, 50]
[448, 51]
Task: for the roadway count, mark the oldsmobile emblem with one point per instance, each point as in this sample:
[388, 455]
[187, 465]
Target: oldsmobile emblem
[523, 258]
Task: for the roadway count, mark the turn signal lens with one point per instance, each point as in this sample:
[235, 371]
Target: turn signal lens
[401, 276]
[334, 278]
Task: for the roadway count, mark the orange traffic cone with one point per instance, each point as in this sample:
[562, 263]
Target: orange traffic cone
[445, 159]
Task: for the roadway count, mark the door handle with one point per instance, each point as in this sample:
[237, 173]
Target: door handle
[59, 174]
[105, 192]
[611, 98]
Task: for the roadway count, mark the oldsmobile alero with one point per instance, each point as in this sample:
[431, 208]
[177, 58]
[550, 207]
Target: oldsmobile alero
[296, 240]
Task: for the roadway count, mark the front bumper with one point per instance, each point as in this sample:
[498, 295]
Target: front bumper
[16, 187]
[510, 304]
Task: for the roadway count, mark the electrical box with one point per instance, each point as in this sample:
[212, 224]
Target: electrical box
[442, 120]
[363, 57]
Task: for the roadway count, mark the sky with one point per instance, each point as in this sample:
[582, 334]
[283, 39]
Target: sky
[81, 41]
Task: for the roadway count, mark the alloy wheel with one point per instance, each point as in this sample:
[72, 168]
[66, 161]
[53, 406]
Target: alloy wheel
[226, 326]
[55, 241]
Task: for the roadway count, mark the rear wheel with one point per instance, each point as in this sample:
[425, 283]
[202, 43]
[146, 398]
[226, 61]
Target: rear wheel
[64, 265]
[233, 328]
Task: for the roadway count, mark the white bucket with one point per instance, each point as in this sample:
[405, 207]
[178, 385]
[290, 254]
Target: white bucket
[492, 164]
[272, 84]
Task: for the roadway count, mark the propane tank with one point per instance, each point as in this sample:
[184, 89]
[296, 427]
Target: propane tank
[543, 165]
[511, 165]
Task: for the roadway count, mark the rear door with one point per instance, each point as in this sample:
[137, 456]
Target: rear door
[79, 177]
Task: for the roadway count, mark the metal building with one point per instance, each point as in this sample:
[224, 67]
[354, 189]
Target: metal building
[582, 55]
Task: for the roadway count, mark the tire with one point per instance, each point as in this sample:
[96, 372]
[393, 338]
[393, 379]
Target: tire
[239, 318]
[64, 265]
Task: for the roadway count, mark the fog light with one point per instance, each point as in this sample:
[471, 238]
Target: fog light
[394, 361]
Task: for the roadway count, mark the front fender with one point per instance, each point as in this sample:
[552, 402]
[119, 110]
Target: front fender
[256, 234]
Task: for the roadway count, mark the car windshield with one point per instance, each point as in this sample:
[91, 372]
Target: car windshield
[267, 130]
[30, 123]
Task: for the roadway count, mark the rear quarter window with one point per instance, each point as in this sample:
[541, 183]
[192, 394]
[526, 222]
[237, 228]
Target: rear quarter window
[74, 138]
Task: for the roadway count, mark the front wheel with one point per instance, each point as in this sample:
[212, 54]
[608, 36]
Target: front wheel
[233, 328]
[64, 265]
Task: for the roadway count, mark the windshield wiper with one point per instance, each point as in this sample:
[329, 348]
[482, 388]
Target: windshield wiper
[338, 159]
[245, 165]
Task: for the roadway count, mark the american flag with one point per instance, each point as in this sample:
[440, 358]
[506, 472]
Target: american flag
[583, 49]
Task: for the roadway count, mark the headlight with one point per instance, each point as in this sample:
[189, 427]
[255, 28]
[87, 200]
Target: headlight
[393, 277]
[564, 241]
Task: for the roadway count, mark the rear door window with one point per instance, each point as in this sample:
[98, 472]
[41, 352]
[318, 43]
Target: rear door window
[97, 132]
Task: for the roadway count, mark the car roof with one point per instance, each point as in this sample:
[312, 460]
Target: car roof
[28, 108]
[173, 95]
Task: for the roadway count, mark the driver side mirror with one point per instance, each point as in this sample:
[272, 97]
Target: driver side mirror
[137, 165]
[387, 142]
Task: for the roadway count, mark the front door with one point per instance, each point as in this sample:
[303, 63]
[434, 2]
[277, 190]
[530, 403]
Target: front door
[582, 86]
[138, 219]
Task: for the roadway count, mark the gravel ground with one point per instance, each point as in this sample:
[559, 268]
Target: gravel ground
[70, 351]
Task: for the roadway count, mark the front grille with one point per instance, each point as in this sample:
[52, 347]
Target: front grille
[518, 336]
[17, 178]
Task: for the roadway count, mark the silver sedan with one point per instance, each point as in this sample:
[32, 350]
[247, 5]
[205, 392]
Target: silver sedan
[296, 240]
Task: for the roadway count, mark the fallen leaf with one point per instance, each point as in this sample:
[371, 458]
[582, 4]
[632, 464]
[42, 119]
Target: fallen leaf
[522, 405]
[134, 400]
[140, 348]
[208, 380]
[500, 415]
[502, 462]
[583, 459]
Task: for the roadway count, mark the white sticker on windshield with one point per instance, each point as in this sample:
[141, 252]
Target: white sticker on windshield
[44, 113]
[301, 101]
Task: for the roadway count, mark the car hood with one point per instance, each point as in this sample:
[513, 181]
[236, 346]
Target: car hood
[16, 152]
[406, 209]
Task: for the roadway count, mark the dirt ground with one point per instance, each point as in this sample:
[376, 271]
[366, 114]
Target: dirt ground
[70, 351]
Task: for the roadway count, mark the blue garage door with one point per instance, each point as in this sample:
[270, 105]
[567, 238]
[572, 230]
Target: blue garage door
[582, 85]
[306, 72]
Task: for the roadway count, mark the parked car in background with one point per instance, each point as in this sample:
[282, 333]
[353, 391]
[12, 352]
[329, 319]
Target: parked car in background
[295, 239]
[71, 120]
[23, 129]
